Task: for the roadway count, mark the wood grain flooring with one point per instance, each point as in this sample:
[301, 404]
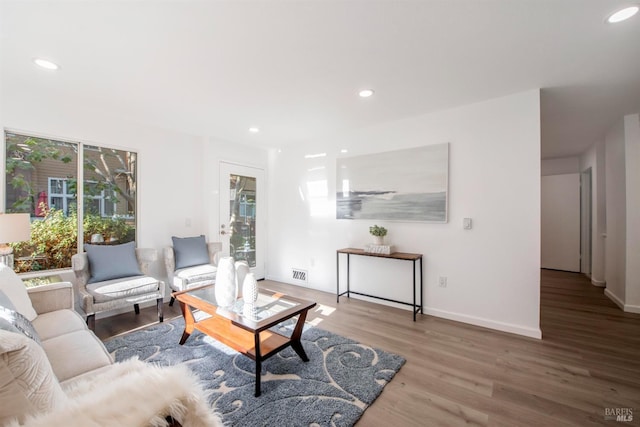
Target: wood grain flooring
[458, 374]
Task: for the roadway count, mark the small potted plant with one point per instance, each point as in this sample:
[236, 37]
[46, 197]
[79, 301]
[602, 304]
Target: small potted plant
[378, 234]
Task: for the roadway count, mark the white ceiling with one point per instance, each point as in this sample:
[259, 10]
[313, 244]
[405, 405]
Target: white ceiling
[293, 68]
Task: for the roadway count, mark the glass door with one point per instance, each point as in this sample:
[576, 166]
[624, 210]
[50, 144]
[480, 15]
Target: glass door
[241, 214]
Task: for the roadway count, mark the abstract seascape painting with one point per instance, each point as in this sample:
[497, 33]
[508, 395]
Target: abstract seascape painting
[401, 185]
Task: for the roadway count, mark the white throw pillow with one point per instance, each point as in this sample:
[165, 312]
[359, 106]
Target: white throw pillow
[15, 290]
[28, 385]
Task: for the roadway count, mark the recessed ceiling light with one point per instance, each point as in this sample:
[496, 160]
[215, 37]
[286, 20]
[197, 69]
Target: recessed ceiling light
[344, 150]
[254, 129]
[46, 64]
[365, 93]
[315, 156]
[622, 14]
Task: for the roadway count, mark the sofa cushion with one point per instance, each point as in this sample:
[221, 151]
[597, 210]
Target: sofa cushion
[15, 290]
[190, 251]
[6, 324]
[112, 261]
[27, 382]
[75, 353]
[59, 322]
[120, 288]
[19, 322]
[5, 301]
[201, 274]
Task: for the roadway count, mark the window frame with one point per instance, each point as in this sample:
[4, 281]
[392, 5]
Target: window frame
[81, 145]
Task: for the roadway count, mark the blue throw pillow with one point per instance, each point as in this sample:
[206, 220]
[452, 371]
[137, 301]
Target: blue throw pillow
[108, 262]
[190, 251]
[11, 320]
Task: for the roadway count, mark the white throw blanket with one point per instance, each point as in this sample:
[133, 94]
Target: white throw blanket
[132, 394]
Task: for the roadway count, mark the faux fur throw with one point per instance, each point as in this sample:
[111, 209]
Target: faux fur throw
[132, 394]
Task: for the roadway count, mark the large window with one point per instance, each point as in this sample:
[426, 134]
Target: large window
[42, 178]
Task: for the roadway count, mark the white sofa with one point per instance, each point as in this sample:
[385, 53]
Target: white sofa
[70, 379]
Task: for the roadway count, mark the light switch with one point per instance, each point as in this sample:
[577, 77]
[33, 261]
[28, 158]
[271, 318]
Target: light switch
[466, 223]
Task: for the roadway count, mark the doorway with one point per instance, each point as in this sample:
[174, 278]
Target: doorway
[242, 216]
[585, 222]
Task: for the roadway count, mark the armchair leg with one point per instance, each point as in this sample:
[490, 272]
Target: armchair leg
[136, 308]
[91, 322]
[160, 310]
[171, 301]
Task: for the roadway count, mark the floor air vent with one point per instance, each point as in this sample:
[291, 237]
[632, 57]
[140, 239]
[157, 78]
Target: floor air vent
[299, 275]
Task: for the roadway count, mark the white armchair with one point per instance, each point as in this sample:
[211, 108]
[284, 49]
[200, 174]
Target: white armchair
[192, 276]
[105, 295]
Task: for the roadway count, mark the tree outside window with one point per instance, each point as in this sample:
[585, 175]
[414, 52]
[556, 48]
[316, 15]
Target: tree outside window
[42, 179]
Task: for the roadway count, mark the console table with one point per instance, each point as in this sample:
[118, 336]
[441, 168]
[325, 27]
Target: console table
[415, 258]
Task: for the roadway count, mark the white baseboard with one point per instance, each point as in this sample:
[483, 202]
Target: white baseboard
[613, 297]
[598, 283]
[628, 308]
[477, 321]
[486, 323]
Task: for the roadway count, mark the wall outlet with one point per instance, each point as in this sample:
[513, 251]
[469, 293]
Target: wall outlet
[442, 281]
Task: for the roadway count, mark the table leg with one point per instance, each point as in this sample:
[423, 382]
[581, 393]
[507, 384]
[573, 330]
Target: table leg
[296, 344]
[348, 284]
[414, 290]
[421, 301]
[258, 362]
[189, 322]
[338, 277]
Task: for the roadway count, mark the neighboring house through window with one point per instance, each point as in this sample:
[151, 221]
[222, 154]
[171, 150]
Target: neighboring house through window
[60, 198]
[42, 176]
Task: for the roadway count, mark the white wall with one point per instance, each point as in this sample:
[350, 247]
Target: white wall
[615, 256]
[560, 222]
[594, 158]
[560, 166]
[623, 213]
[493, 269]
[632, 167]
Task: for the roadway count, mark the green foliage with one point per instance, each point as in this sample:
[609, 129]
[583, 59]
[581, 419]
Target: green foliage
[41, 280]
[22, 155]
[378, 231]
[112, 229]
[104, 168]
[55, 239]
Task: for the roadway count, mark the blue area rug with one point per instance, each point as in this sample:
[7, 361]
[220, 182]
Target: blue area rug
[341, 379]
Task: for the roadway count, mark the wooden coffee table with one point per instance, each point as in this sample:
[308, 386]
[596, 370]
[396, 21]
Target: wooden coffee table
[245, 328]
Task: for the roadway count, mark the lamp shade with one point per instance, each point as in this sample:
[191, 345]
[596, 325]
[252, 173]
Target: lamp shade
[15, 227]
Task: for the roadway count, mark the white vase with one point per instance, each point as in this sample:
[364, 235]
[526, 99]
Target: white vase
[250, 289]
[226, 289]
[378, 240]
[242, 268]
[250, 311]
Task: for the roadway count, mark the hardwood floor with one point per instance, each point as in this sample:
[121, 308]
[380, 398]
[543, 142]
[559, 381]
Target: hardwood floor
[457, 374]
